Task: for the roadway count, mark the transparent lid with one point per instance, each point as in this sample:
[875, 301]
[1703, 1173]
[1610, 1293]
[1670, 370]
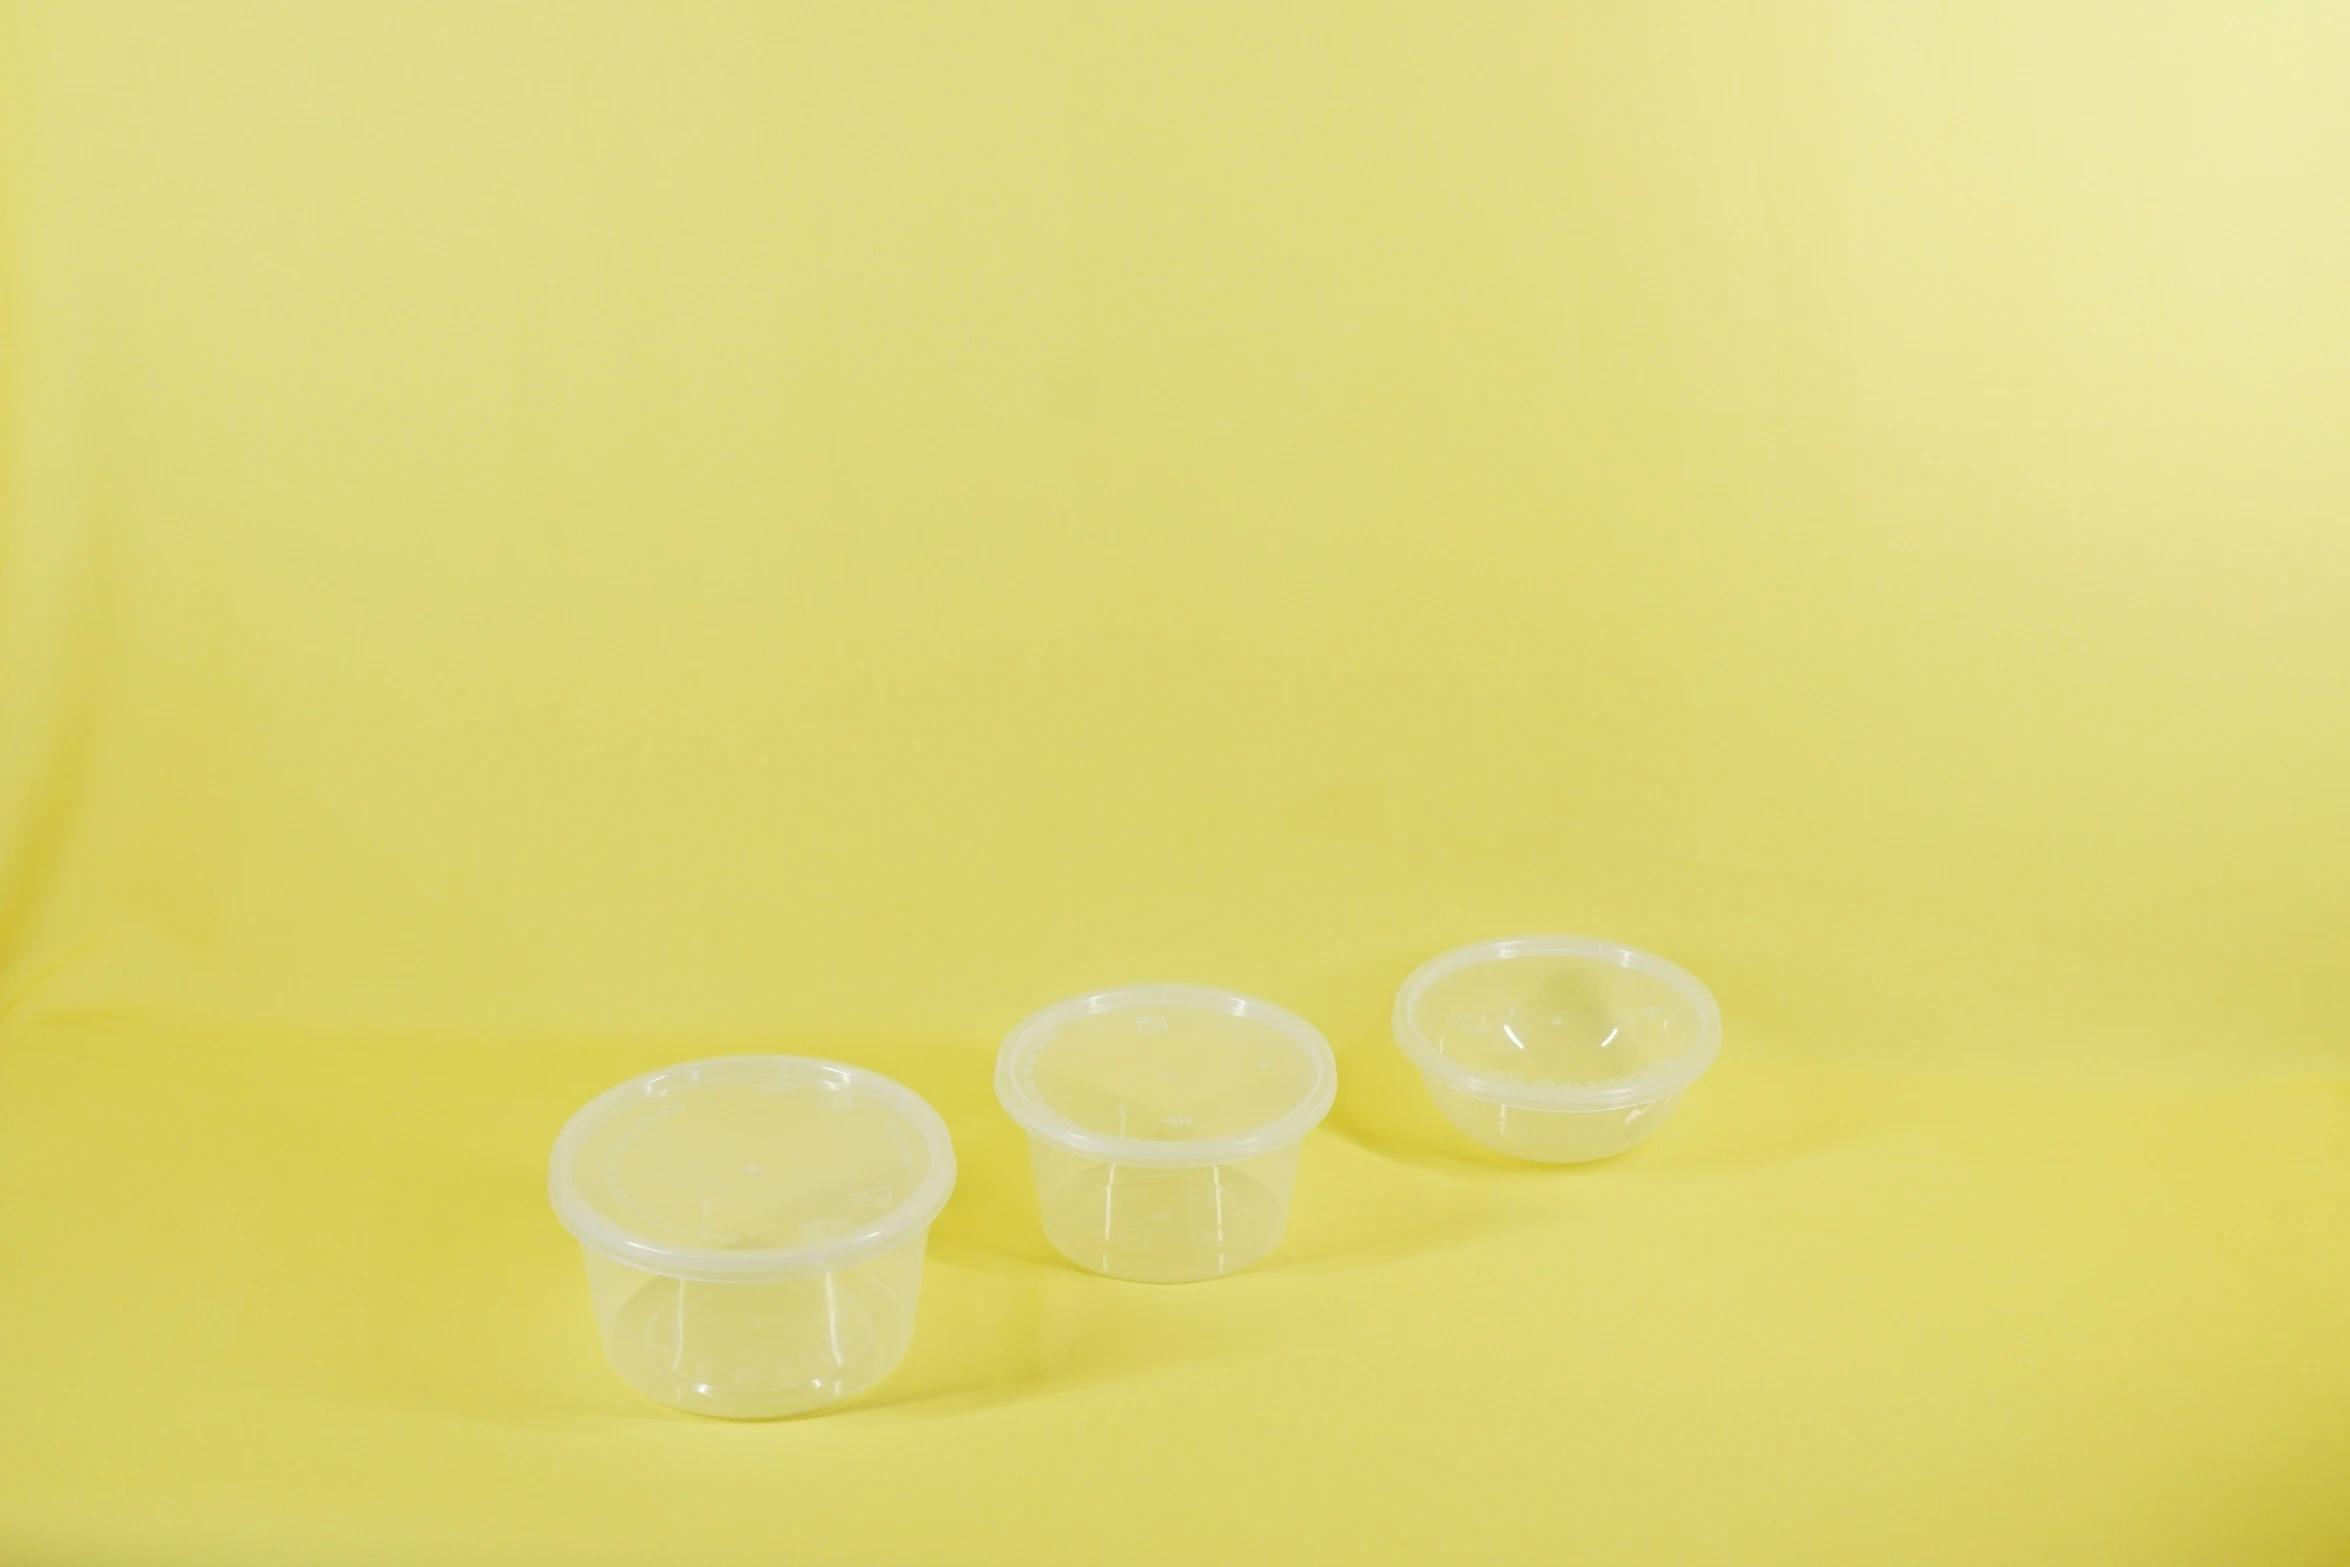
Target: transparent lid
[1558, 1022]
[751, 1167]
[1166, 1074]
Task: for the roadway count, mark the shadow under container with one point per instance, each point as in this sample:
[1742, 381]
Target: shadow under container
[1164, 1125]
[1558, 1049]
[754, 1228]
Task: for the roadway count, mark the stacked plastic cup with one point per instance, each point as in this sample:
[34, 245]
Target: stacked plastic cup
[1164, 1124]
[753, 1228]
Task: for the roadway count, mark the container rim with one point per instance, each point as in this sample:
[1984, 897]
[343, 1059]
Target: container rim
[716, 1265]
[1641, 1087]
[1042, 1121]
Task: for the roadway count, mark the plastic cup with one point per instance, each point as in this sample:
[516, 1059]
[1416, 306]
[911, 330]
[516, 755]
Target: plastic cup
[1164, 1123]
[753, 1228]
[1557, 1048]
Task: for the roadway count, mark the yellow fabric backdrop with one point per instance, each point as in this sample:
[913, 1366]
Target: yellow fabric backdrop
[542, 539]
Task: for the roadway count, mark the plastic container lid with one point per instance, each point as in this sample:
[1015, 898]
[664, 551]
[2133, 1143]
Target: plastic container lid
[1558, 1023]
[750, 1168]
[1166, 1075]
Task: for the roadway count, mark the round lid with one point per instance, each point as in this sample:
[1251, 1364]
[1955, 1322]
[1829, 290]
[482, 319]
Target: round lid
[1558, 1023]
[1166, 1074]
[751, 1167]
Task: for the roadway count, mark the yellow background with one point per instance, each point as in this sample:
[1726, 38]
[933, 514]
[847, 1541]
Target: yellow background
[542, 539]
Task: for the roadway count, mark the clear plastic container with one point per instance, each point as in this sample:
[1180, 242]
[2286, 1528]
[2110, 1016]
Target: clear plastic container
[1164, 1123]
[1557, 1048]
[754, 1228]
